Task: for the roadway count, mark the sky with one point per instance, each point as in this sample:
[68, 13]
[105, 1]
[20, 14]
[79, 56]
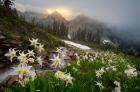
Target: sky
[121, 13]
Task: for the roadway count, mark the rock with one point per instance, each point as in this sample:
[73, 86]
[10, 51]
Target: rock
[11, 79]
[2, 37]
[5, 45]
[67, 58]
[71, 54]
[14, 42]
[1, 65]
[0, 32]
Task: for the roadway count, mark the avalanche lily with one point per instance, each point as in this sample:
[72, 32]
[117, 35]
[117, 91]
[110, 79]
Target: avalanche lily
[11, 53]
[31, 53]
[40, 47]
[40, 60]
[99, 84]
[56, 61]
[118, 87]
[34, 42]
[22, 69]
[60, 75]
[131, 72]
[68, 78]
[23, 57]
[100, 72]
[31, 60]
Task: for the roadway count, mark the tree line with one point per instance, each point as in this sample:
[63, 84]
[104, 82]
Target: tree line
[86, 35]
[6, 8]
[56, 28]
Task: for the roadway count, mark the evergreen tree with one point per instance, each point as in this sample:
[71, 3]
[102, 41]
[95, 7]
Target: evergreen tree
[33, 21]
[8, 3]
[0, 2]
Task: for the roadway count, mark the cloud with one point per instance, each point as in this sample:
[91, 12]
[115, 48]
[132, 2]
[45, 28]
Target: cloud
[27, 7]
[20, 7]
[67, 13]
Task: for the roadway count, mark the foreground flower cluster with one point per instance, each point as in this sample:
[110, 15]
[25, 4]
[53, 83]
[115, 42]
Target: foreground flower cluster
[26, 59]
[98, 71]
[26, 71]
[64, 76]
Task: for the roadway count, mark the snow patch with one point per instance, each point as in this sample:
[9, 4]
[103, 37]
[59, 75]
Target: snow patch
[84, 47]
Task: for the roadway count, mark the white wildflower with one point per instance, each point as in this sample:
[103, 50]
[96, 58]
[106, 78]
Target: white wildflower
[34, 42]
[56, 61]
[11, 53]
[100, 72]
[78, 62]
[68, 64]
[38, 90]
[66, 77]
[131, 72]
[24, 81]
[99, 84]
[107, 68]
[22, 69]
[31, 60]
[110, 61]
[22, 57]
[25, 73]
[59, 50]
[60, 74]
[40, 60]
[113, 68]
[40, 47]
[31, 53]
[118, 87]
[32, 74]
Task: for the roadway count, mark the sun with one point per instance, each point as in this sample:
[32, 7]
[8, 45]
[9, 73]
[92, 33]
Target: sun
[63, 11]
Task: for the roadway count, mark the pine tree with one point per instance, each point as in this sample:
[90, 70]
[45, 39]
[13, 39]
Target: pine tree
[8, 3]
[0, 2]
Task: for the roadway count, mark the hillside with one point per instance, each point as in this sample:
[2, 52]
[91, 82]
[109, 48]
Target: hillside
[53, 56]
[89, 29]
[15, 33]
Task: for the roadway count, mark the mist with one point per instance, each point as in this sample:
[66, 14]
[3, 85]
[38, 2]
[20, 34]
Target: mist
[122, 16]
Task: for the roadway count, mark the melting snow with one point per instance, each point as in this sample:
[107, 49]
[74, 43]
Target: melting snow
[84, 47]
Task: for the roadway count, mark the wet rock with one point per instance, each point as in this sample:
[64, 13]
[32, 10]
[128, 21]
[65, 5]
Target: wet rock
[15, 43]
[71, 54]
[11, 79]
[1, 65]
[2, 37]
[0, 31]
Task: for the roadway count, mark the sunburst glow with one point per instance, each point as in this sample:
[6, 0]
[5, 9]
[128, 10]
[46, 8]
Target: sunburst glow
[63, 11]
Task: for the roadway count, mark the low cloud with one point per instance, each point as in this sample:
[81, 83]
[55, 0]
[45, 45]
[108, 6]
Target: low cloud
[27, 7]
[20, 7]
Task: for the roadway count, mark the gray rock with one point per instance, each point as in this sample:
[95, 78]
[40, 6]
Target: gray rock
[2, 37]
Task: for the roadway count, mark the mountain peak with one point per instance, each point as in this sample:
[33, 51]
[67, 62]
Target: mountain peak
[56, 14]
